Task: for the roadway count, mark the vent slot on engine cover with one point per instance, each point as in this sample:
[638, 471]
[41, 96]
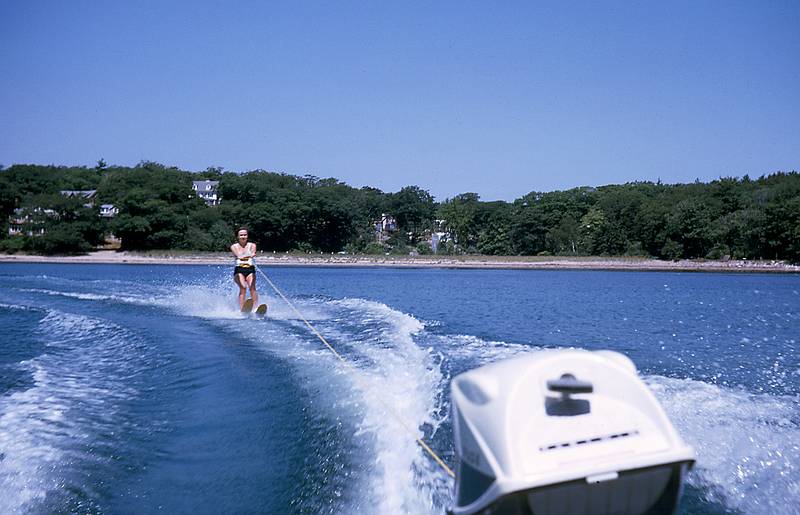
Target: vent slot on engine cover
[587, 441]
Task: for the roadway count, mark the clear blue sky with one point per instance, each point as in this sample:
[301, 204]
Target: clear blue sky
[497, 98]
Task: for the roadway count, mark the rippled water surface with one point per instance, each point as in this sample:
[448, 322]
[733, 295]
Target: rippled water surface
[130, 389]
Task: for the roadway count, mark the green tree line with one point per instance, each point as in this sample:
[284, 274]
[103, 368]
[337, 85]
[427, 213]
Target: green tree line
[726, 218]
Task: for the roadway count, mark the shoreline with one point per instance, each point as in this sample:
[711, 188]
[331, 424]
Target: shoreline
[463, 262]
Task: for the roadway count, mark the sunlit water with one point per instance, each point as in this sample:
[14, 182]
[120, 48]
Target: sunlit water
[143, 389]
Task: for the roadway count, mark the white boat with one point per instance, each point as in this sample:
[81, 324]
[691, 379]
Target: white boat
[564, 432]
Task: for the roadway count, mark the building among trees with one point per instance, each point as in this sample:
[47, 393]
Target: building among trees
[207, 190]
[384, 228]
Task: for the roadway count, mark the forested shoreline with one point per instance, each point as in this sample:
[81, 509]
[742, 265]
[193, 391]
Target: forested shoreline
[734, 218]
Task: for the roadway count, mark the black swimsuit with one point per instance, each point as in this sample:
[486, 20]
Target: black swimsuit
[244, 270]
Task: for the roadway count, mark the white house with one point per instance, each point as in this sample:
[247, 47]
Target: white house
[207, 190]
[29, 221]
[108, 210]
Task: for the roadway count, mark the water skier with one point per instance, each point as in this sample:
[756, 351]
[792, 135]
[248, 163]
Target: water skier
[244, 275]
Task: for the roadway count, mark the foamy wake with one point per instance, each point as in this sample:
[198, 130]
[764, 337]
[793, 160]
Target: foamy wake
[748, 445]
[386, 392]
[398, 389]
[28, 439]
[48, 430]
[140, 300]
[471, 352]
[16, 307]
[219, 301]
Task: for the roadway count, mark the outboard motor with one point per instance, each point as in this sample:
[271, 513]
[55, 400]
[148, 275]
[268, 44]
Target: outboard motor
[564, 432]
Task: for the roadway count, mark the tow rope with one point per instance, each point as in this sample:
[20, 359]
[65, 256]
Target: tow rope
[349, 367]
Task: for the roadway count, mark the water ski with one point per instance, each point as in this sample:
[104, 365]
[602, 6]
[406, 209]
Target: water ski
[247, 307]
[261, 310]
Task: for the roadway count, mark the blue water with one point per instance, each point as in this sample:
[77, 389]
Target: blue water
[142, 389]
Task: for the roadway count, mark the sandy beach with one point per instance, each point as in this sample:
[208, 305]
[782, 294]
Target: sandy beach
[481, 262]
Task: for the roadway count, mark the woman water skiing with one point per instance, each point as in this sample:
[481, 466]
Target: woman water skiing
[244, 275]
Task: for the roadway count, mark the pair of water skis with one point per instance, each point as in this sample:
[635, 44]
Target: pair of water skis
[248, 307]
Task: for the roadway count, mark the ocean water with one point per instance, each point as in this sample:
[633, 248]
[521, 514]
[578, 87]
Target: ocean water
[142, 389]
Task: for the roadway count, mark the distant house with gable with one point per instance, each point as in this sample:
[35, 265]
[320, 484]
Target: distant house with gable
[207, 190]
[383, 227]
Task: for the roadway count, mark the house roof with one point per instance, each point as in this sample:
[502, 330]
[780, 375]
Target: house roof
[205, 185]
[79, 193]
